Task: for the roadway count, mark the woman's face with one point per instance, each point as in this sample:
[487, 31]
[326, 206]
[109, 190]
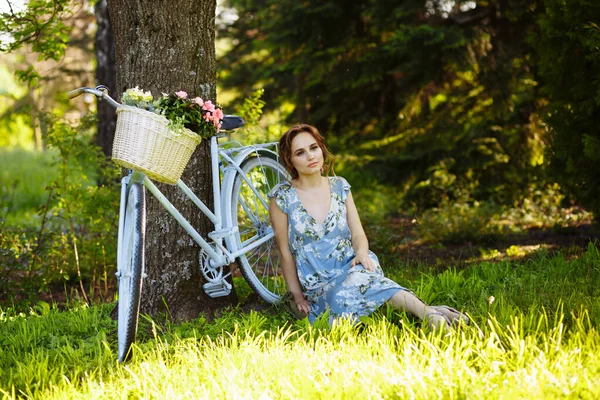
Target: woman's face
[307, 156]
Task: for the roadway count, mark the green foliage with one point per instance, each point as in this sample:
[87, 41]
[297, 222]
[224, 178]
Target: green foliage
[40, 23]
[567, 47]
[259, 128]
[42, 29]
[462, 222]
[23, 178]
[374, 200]
[533, 335]
[444, 102]
[16, 132]
[74, 238]
[15, 118]
[473, 221]
[251, 111]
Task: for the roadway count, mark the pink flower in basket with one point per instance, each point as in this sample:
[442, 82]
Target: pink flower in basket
[182, 111]
[208, 106]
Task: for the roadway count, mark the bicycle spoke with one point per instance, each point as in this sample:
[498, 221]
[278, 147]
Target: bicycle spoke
[268, 263]
[258, 260]
[262, 167]
[267, 267]
[253, 253]
[259, 257]
[272, 260]
[248, 212]
[256, 265]
[256, 201]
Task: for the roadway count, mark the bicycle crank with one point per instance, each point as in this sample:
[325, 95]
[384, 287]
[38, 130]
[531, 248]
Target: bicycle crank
[216, 286]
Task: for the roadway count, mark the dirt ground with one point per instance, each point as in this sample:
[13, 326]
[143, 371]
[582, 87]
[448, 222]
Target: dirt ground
[571, 241]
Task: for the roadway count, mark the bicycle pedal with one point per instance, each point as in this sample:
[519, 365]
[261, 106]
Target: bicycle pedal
[217, 289]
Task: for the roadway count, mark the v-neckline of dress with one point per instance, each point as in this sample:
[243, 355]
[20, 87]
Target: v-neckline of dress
[330, 203]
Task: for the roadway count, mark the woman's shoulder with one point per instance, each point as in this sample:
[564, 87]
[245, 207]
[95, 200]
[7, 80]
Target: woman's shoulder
[281, 194]
[282, 188]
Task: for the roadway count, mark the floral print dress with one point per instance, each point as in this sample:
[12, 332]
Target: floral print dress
[324, 253]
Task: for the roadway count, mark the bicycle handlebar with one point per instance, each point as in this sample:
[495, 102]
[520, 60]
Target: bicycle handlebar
[100, 91]
[229, 122]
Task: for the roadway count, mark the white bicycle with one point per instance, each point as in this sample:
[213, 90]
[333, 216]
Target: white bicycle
[242, 176]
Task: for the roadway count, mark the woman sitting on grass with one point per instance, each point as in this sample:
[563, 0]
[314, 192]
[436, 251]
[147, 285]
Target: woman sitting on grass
[324, 251]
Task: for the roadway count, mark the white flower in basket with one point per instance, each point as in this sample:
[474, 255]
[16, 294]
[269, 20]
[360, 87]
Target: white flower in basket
[159, 136]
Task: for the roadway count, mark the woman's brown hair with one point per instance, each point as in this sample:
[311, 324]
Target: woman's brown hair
[285, 148]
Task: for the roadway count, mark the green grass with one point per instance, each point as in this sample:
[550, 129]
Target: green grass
[24, 176]
[537, 339]
[534, 331]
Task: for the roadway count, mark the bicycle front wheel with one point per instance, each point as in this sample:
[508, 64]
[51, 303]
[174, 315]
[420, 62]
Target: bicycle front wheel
[131, 268]
[249, 210]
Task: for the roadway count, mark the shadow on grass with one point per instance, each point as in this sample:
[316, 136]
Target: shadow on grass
[400, 241]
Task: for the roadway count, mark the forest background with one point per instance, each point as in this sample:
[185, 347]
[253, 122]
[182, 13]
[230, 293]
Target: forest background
[455, 121]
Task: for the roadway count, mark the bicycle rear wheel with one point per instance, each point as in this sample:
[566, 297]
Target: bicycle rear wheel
[131, 268]
[249, 211]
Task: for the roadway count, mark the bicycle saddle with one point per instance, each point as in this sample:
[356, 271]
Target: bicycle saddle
[232, 122]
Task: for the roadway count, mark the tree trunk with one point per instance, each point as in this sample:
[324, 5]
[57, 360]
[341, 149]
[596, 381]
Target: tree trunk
[167, 46]
[105, 75]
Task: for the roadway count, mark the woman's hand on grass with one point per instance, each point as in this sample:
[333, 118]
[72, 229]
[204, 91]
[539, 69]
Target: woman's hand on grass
[303, 305]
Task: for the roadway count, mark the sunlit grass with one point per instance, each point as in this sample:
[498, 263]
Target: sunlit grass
[24, 176]
[535, 356]
[534, 335]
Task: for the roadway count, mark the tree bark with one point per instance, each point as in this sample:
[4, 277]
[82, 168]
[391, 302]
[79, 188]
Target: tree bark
[167, 46]
[105, 75]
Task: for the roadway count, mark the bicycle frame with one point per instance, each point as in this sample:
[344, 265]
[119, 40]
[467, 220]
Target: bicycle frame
[229, 162]
[219, 255]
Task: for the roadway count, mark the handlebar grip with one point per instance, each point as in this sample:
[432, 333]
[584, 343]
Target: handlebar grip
[100, 92]
[76, 92]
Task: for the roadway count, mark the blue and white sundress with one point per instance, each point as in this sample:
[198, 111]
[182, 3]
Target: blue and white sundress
[324, 253]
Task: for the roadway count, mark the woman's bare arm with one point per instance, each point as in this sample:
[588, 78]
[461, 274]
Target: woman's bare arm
[360, 243]
[279, 221]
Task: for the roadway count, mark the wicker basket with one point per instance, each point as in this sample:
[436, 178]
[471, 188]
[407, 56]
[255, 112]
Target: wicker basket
[144, 142]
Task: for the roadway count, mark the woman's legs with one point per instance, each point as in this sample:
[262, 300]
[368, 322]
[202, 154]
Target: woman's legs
[407, 301]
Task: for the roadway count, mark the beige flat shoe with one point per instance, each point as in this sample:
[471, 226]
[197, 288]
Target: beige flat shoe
[437, 320]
